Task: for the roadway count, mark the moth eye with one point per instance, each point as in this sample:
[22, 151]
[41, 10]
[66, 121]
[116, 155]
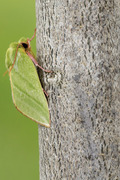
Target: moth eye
[25, 45]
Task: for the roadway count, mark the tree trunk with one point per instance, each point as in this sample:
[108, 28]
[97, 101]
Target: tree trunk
[80, 42]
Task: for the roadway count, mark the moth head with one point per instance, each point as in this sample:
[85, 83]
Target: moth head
[25, 45]
[22, 45]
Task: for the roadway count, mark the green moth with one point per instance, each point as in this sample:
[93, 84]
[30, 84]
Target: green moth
[27, 92]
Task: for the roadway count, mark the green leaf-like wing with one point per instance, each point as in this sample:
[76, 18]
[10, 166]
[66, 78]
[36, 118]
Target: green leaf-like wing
[27, 92]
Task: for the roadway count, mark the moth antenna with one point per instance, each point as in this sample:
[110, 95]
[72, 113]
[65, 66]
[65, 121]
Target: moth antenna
[28, 40]
[5, 73]
[33, 35]
[15, 57]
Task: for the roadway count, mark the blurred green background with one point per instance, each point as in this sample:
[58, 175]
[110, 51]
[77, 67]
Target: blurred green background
[18, 135]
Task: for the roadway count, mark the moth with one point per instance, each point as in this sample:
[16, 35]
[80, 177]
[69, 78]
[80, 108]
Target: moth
[27, 92]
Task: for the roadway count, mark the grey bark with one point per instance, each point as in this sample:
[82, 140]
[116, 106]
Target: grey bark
[80, 41]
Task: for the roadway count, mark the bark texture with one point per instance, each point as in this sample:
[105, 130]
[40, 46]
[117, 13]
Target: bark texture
[80, 41]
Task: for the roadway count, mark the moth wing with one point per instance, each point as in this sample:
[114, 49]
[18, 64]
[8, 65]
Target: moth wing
[27, 92]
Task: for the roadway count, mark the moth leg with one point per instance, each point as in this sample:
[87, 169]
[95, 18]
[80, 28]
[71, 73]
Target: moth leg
[45, 70]
[35, 62]
[30, 55]
[45, 92]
